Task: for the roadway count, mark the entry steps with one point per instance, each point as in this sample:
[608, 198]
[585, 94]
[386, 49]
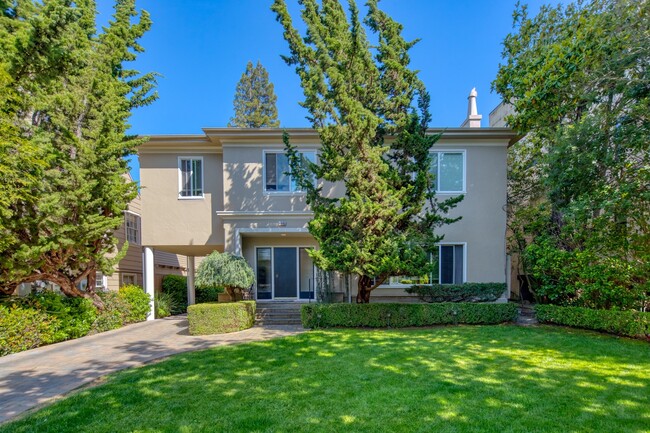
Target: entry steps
[278, 313]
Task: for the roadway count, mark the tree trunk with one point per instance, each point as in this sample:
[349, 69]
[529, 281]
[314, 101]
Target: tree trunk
[364, 287]
[67, 287]
[232, 293]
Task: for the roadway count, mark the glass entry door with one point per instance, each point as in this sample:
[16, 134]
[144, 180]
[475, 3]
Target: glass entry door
[285, 273]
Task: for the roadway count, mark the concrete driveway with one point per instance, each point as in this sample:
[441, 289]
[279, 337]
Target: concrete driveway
[34, 377]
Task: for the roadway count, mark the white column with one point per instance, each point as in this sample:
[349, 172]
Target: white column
[191, 294]
[148, 272]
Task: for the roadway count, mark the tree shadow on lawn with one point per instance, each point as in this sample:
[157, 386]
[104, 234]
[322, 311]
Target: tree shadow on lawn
[455, 379]
[31, 386]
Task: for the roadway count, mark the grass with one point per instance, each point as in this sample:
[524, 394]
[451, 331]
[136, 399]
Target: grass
[447, 379]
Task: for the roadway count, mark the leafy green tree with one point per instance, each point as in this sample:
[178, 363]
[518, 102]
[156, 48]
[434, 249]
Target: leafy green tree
[255, 100]
[225, 270]
[578, 79]
[373, 141]
[66, 98]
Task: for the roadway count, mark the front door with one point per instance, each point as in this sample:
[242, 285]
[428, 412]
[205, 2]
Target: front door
[284, 272]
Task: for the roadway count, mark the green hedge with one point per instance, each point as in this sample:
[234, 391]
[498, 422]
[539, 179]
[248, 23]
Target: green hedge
[467, 292]
[175, 286]
[214, 318]
[627, 323]
[48, 317]
[23, 329]
[403, 315]
[114, 313]
[138, 301]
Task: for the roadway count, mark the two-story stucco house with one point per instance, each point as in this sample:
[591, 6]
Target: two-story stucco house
[226, 190]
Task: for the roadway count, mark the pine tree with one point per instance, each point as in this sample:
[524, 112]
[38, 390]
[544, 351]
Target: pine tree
[373, 141]
[255, 100]
[70, 98]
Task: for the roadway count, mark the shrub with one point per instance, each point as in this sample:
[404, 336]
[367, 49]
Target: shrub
[403, 315]
[138, 301]
[114, 314]
[214, 318]
[164, 303]
[208, 294]
[627, 323]
[468, 292]
[582, 277]
[225, 270]
[25, 328]
[75, 316]
[176, 287]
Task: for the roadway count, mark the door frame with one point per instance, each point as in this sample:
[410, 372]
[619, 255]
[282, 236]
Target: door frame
[297, 274]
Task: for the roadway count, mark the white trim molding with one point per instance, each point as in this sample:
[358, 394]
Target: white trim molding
[437, 180]
[227, 214]
[240, 231]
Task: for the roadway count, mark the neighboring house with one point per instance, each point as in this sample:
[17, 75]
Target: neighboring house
[226, 190]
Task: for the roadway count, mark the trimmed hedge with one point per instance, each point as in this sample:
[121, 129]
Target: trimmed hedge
[467, 292]
[626, 323]
[215, 318]
[403, 315]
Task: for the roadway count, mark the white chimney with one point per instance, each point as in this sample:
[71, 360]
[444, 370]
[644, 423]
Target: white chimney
[473, 118]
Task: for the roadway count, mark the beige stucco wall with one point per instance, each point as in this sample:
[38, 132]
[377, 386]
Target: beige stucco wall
[483, 222]
[170, 221]
[235, 199]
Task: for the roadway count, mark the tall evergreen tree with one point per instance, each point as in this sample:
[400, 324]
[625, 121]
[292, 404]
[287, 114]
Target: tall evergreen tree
[578, 76]
[66, 101]
[373, 141]
[255, 100]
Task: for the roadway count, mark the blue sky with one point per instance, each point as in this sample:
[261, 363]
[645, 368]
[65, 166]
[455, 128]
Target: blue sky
[201, 48]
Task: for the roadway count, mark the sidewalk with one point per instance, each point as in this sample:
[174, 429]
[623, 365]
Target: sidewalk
[31, 378]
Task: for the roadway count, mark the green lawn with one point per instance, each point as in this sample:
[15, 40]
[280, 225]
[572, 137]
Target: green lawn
[448, 379]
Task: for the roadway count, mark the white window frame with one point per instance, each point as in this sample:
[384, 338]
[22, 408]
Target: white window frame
[437, 175]
[135, 279]
[438, 245]
[101, 280]
[137, 228]
[180, 178]
[279, 151]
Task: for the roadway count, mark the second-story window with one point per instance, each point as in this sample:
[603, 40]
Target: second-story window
[449, 169]
[132, 227]
[276, 167]
[191, 177]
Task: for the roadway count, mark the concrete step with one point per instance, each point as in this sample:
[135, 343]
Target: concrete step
[280, 310]
[279, 306]
[278, 321]
[277, 316]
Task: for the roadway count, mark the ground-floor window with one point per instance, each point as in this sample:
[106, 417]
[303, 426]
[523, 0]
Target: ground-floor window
[448, 268]
[285, 272]
[129, 279]
[452, 264]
